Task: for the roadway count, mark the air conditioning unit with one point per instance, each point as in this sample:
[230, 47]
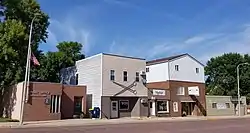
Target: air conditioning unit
[143, 100]
[144, 81]
[142, 73]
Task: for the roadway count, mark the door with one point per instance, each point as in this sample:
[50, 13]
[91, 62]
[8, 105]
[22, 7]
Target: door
[152, 108]
[77, 105]
[114, 109]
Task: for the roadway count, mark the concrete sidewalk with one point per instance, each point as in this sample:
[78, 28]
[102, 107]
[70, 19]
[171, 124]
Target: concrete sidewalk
[85, 122]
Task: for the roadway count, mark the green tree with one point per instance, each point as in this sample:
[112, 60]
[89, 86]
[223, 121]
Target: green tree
[53, 62]
[16, 16]
[12, 33]
[222, 77]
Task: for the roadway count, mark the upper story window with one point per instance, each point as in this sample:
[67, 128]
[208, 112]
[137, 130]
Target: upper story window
[147, 69]
[181, 91]
[137, 77]
[76, 79]
[112, 75]
[125, 76]
[176, 67]
[197, 70]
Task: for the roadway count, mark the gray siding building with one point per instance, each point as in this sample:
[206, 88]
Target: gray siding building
[224, 105]
[115, 84]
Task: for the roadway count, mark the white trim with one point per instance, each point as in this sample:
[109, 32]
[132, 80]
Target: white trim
[89, 58]
[56, 107]
[183, 92]
[59, 108]
[167, 105]
[101, 87]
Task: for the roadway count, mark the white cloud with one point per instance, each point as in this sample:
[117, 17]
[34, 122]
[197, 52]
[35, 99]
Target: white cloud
[65, 31]
[72, 26]
[236, 42]
[202, 38]
[203, 47]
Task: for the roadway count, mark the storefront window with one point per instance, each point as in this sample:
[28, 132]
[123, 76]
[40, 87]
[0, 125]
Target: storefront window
[124, 104]
[162, 107]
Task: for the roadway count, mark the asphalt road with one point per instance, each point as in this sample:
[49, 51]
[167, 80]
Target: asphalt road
[208, 126]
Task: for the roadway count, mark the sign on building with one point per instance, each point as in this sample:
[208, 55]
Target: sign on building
[194, 91]
[221, 106]
[159, 92]
[175, 106]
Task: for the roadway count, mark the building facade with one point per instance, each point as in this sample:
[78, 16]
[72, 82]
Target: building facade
[183, 77]
[115, 84]
[47, 101]
[225, 105]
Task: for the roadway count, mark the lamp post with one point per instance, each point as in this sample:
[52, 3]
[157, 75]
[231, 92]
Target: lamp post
[27, 73]
[238, 85]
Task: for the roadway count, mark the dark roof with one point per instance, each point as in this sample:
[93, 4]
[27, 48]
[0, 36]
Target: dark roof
[123, 56]
[162, 60]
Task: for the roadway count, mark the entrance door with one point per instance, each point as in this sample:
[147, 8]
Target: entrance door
[152, 108]
[188, 108]
[77, 105]
[114, 109]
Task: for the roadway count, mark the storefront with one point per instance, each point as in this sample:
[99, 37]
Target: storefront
[159, 102]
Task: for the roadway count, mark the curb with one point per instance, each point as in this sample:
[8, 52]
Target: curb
[118, 121]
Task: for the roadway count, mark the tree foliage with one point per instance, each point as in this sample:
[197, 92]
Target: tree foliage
[16, 16]
[222, 76]
[53, 62]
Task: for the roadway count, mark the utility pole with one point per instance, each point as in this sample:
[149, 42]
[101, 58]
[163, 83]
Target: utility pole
[238, 85]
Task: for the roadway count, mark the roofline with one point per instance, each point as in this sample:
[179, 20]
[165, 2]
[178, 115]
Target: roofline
[154, 62]
[100, 54]
[96, 55]
[137, 58]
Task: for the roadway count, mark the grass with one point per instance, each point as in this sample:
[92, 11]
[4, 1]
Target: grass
[8, 120]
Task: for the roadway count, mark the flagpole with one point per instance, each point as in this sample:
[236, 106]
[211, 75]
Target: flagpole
[27, 72]
[28, 78]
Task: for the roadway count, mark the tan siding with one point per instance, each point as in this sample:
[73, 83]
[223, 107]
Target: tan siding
[120, 64]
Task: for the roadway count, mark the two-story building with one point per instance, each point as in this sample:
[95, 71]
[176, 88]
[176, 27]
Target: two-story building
[115, 84]
[176, 86]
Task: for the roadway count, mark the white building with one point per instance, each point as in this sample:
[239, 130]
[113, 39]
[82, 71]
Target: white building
[177, 68]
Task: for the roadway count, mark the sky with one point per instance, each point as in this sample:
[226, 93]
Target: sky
[150, 29]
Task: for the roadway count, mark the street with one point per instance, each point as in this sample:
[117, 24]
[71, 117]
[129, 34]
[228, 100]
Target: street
[207, 126]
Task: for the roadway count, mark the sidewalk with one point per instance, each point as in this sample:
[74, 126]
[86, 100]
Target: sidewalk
[84, 122]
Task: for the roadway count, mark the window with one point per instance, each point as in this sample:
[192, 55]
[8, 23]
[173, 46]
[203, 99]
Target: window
[176, 67]
[162, 107]
[147, 69]
[76, 79]
[181, 91]
[112, 75]
[137, 77]
[214, 105]
[197, 70]
[125, 76]
[55, 104]
[124, 105]
[227, 105]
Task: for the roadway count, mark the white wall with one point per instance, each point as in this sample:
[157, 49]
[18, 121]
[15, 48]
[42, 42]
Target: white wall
[157, 72]
[120, 64]
[17, 94]
[89, 74]
[187, 70]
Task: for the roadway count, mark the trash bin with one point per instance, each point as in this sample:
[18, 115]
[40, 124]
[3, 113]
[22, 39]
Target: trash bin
[97, 112]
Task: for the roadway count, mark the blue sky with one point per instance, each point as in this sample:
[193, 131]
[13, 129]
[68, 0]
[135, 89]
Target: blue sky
[150, 28]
